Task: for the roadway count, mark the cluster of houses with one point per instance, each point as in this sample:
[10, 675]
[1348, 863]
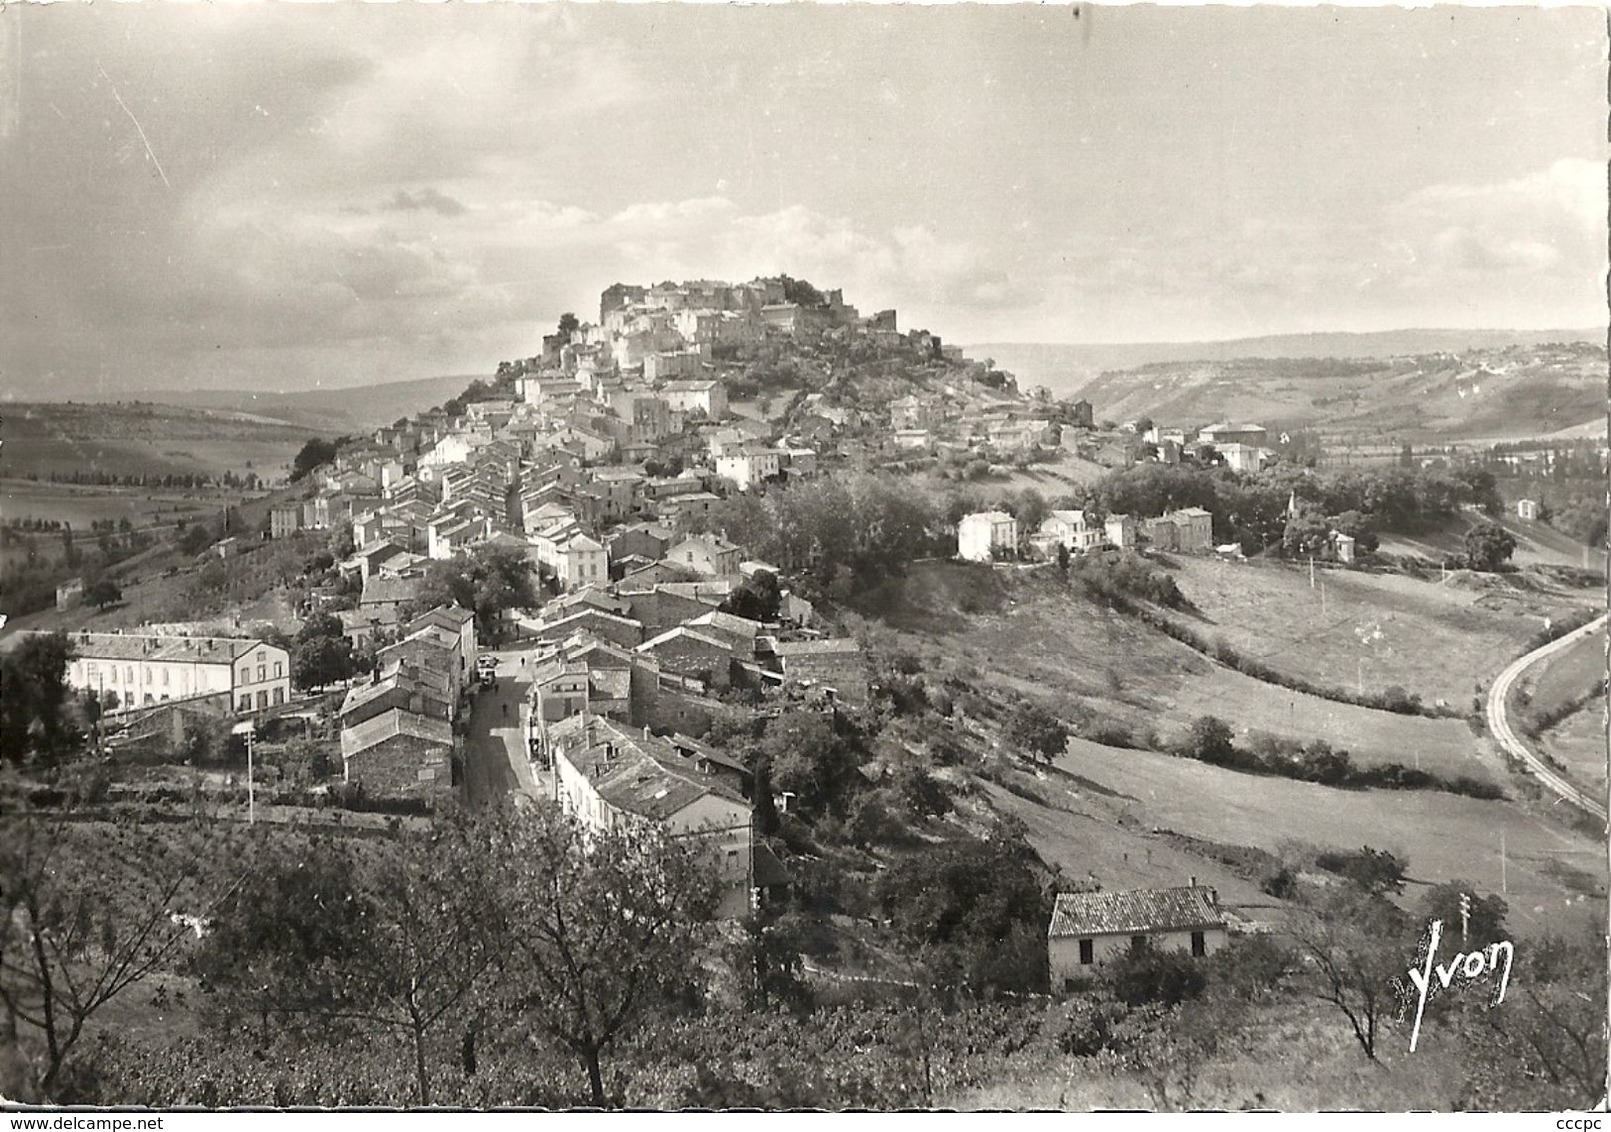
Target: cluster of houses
[399, 729]
[994, 536]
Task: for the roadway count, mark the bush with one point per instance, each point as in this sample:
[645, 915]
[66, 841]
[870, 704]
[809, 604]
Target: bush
[1147, 974]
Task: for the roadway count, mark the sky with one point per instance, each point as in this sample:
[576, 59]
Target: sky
[279, 196]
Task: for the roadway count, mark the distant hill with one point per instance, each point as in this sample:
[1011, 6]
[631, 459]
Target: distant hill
[144, 438]
[344, 409]
[1066, 369]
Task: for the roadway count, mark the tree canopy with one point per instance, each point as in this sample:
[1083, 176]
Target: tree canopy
[316, 453]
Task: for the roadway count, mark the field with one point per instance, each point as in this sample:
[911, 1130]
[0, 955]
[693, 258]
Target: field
[1518, 391]
[1552, 877]
[1442, 746]
[1579, 743]
[1567, 675]
[1376, 631]
[146, 439]
[1537, 544]
[81, 505]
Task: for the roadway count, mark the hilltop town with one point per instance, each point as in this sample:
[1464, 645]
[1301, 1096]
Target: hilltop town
[922, 689]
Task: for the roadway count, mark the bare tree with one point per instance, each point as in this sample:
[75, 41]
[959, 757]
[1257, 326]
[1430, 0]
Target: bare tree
[90, 910]
[602, 925]
[396, 935]
[1353, 947]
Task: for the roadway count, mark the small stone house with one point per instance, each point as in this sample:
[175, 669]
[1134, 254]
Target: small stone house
[1089, 928]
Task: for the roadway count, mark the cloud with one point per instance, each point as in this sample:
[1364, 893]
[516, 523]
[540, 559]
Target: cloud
[1549, 223]
[427, 198]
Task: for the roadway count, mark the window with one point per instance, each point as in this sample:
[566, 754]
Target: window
[89, 668]
[279, 695]
[245, 704]
[164, 679]
[262, 672]
[1087, 952]
[279, 670]
[262, 700]
[1137, 942]
[1199, 944]
[1070, 983]
[246, 674]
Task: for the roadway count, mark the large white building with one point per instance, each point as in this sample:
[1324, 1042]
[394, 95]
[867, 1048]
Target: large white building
[148, 669]
[985, 535]
[746, 469]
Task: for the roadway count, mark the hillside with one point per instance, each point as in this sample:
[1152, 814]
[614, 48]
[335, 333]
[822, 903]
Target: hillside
[1066, 368]
[146, 438]
[1513, 393]
[341, 409]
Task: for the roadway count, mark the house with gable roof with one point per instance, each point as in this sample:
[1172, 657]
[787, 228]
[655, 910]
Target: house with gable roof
[1088, 928]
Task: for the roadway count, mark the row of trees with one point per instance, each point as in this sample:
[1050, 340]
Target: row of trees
[511, 920]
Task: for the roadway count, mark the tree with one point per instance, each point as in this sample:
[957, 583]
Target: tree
[316, 453]
[757, 598]
[102, 593]
[1375, 871]
[1144, 974]
[810, 759]
[1036, 730]
[321, 654]
[763, 807]
[568, 323]
[195, 538]
[601, 926]
[1486, 919]
[1356, 944]
[34, 699]
[488, 580]
[397, 937]
[1488, 545]
[973, 911]
[1307, 533]
[1210, 740]
[88, 911]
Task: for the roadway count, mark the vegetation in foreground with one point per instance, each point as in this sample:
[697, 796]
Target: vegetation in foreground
[501, 959]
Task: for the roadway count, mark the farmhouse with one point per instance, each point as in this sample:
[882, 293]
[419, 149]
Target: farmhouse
[1088, 928]
[147, 669]
[1527, 509]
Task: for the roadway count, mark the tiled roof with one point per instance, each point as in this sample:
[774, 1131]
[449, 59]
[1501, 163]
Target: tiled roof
[1134, 912]
[836, 645]
[643, 774]
[132, 646]
[381, 588]
[356, 740]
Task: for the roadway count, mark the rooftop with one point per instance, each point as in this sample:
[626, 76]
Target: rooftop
[1138, 910]
[387, 725]
[134, 646]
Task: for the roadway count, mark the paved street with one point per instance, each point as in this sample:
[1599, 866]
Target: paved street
[495, 761]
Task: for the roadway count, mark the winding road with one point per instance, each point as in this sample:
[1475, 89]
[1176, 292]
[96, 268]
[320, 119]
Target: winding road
[1499, 725]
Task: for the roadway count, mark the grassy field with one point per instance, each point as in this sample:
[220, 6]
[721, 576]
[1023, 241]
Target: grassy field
[1537, 544]
[83, 504]
[145, 439]
[1036, 637]
[1443, 746]
[1374, 631]
[1579, 743]
[1553, 878]
[1566, 676]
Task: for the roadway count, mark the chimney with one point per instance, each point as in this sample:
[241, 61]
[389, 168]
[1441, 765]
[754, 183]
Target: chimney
[1194, 882]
